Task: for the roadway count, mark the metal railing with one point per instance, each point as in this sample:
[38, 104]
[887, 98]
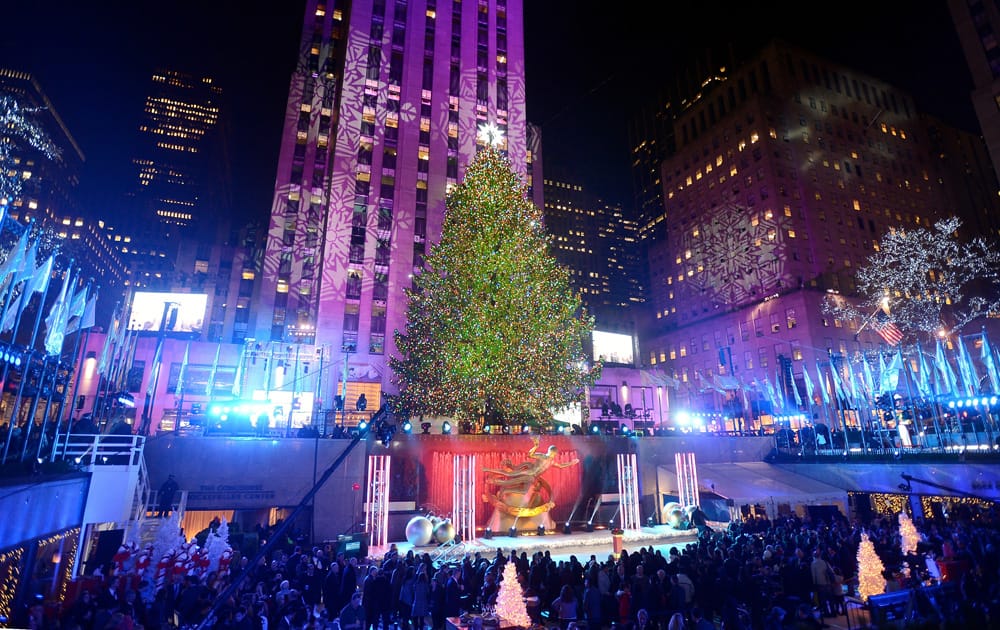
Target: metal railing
[101, 449]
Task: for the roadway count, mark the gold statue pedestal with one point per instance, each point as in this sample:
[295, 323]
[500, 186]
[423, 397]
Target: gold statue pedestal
[521, 498]
[504, 516]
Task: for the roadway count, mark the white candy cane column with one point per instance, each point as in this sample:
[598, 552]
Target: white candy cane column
[628, 491]
[687, 479]
[377, 514]
[464, 497]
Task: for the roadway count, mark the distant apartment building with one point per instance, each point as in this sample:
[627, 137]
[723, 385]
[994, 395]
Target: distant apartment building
[382, 118]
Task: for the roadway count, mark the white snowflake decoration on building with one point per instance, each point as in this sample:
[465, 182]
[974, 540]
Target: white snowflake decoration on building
[490, 134]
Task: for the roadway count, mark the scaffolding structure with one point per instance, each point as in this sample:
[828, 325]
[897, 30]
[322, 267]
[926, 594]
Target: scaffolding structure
[687, 479]
[377, 506]
[628, 491]
[464, 497]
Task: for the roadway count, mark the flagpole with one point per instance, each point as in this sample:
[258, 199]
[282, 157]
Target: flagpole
[26, 366]
[10, 287]
[113, 366]
[150, 398]
[46, 365]
[78, 366]
[180, 387]
[78, 362]
[56, 313]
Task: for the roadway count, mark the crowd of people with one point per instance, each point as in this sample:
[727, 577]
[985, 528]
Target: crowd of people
[787, 573]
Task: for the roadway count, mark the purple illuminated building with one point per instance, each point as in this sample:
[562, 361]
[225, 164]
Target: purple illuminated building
[786, 172]
[382, 119]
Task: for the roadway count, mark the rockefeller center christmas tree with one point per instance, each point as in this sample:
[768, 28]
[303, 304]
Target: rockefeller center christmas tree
[494, 332]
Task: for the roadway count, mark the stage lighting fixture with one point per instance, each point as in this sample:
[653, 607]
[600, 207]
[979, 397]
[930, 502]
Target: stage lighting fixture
[446, 428]
[488, 533]
[506, 429]
[625, 430]
[487, 429]
[590, 526]
[541, 530]
[512, 532]
[525, 429]
[362, 426]
[649, 522]
[407, 427]
[567, 529]
[595, 429]
[425, 428]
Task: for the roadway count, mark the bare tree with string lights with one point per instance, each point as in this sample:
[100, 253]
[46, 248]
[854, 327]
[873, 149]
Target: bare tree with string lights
[923, 280]
[18, 130]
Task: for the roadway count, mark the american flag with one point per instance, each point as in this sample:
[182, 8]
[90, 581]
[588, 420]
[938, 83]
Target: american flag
[888, 331]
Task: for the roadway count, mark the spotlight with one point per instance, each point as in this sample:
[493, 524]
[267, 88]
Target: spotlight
[487, 429]
[407, 427]
[541, 530]
[625, 430]
[649, 522]
[590, 526]
[595, 429]
[525, 428]
[512, 532]
[362, 426]
[567, 529]
[425, 428]
[488, 533]
[446, 428]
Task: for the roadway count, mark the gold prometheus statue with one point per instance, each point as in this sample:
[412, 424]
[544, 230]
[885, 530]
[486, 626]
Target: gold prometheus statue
[521, 491]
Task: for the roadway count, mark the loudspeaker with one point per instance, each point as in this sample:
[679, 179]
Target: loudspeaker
[108, 543]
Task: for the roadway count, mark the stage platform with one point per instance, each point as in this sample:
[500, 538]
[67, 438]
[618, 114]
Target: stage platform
[560, 546]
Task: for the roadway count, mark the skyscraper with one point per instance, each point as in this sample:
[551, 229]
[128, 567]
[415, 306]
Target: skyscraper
[181, 167]
[382, 117]
[600, 246]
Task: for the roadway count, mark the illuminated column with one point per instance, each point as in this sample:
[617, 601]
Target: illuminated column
[464, 497]
[377, 512]
[687, 479]
[628, 491]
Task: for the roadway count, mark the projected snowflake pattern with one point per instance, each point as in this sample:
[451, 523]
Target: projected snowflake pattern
[731, 259]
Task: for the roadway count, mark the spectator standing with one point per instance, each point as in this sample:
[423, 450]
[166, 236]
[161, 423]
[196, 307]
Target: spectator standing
[166, 496]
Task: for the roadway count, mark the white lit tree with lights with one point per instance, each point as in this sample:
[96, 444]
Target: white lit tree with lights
[870, 569]
[510, 599]
[19, 131]
[925, 278]
[908, 536]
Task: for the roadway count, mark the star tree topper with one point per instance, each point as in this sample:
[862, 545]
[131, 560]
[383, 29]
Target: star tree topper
[490, 134]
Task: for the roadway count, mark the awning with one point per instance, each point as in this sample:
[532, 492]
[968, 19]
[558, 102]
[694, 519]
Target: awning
[759, 483]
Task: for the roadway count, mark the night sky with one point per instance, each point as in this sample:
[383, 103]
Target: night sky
[588, 68]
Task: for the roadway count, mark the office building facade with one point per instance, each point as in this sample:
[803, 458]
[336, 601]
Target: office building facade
[382, 117]
[786, 175]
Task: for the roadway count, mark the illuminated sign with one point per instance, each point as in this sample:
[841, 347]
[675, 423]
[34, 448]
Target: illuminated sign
[613, 347]
[185, 312]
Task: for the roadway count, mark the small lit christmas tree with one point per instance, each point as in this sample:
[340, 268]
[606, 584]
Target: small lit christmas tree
[217, 544]
[908, 536]
[870, 568]
[510, 599]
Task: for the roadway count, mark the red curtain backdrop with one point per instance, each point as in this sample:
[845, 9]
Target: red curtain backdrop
[439, 466]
